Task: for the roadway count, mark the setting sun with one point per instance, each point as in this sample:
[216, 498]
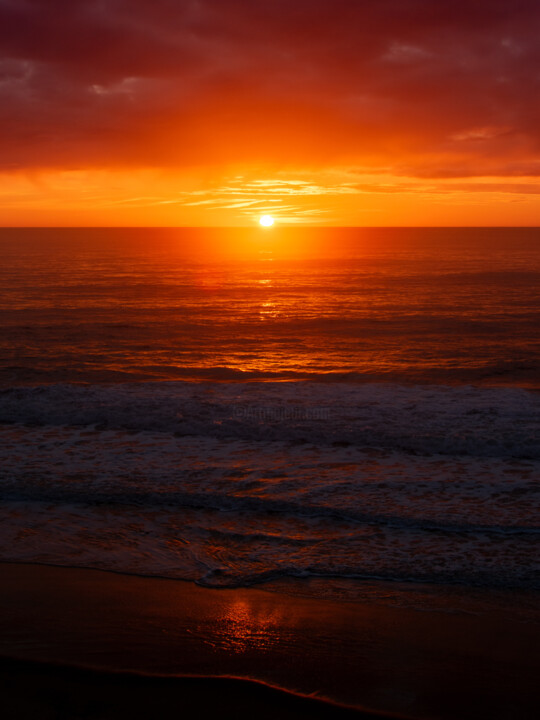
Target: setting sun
[266, 221]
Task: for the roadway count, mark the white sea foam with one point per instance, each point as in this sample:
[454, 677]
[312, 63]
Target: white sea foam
[464, 420]
[228, 484]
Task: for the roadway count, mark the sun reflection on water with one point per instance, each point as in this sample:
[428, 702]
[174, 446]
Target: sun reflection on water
[242, 627]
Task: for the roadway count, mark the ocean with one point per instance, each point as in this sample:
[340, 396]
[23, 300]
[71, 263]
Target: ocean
[315, 409]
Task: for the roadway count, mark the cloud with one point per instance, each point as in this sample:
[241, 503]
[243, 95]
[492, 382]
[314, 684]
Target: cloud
[402, 83]
[282, 197]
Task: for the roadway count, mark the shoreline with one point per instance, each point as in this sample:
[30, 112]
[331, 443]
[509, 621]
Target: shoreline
[458, 597]
[35, 689]
[377, 658]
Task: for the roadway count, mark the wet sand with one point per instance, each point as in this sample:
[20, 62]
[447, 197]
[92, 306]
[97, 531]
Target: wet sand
[70, 632]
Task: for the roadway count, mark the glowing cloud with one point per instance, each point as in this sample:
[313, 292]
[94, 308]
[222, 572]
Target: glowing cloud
[285, 95]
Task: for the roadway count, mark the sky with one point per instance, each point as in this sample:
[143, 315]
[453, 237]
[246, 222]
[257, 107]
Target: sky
[318, 112]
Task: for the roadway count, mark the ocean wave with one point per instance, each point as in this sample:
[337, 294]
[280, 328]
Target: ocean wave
[177, 501]
[220, 550]
[239, 483]
[374, 366]
[450, 420]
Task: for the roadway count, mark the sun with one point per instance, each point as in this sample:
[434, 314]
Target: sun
[266, 221]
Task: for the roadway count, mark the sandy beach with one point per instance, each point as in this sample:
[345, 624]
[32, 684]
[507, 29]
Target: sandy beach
[36, 690]
[68, 633]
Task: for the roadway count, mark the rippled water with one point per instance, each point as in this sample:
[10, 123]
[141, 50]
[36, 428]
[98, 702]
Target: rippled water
[369, 305]
[251, 407]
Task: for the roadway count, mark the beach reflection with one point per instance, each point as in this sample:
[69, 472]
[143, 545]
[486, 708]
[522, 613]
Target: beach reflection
[242, 627]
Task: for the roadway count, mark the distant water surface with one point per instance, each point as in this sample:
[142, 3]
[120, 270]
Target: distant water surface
[424, 305]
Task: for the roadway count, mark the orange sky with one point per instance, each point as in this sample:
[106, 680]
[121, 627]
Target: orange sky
[214, 112]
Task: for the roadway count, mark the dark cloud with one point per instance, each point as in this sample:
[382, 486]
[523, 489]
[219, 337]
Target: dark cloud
[405, 82]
